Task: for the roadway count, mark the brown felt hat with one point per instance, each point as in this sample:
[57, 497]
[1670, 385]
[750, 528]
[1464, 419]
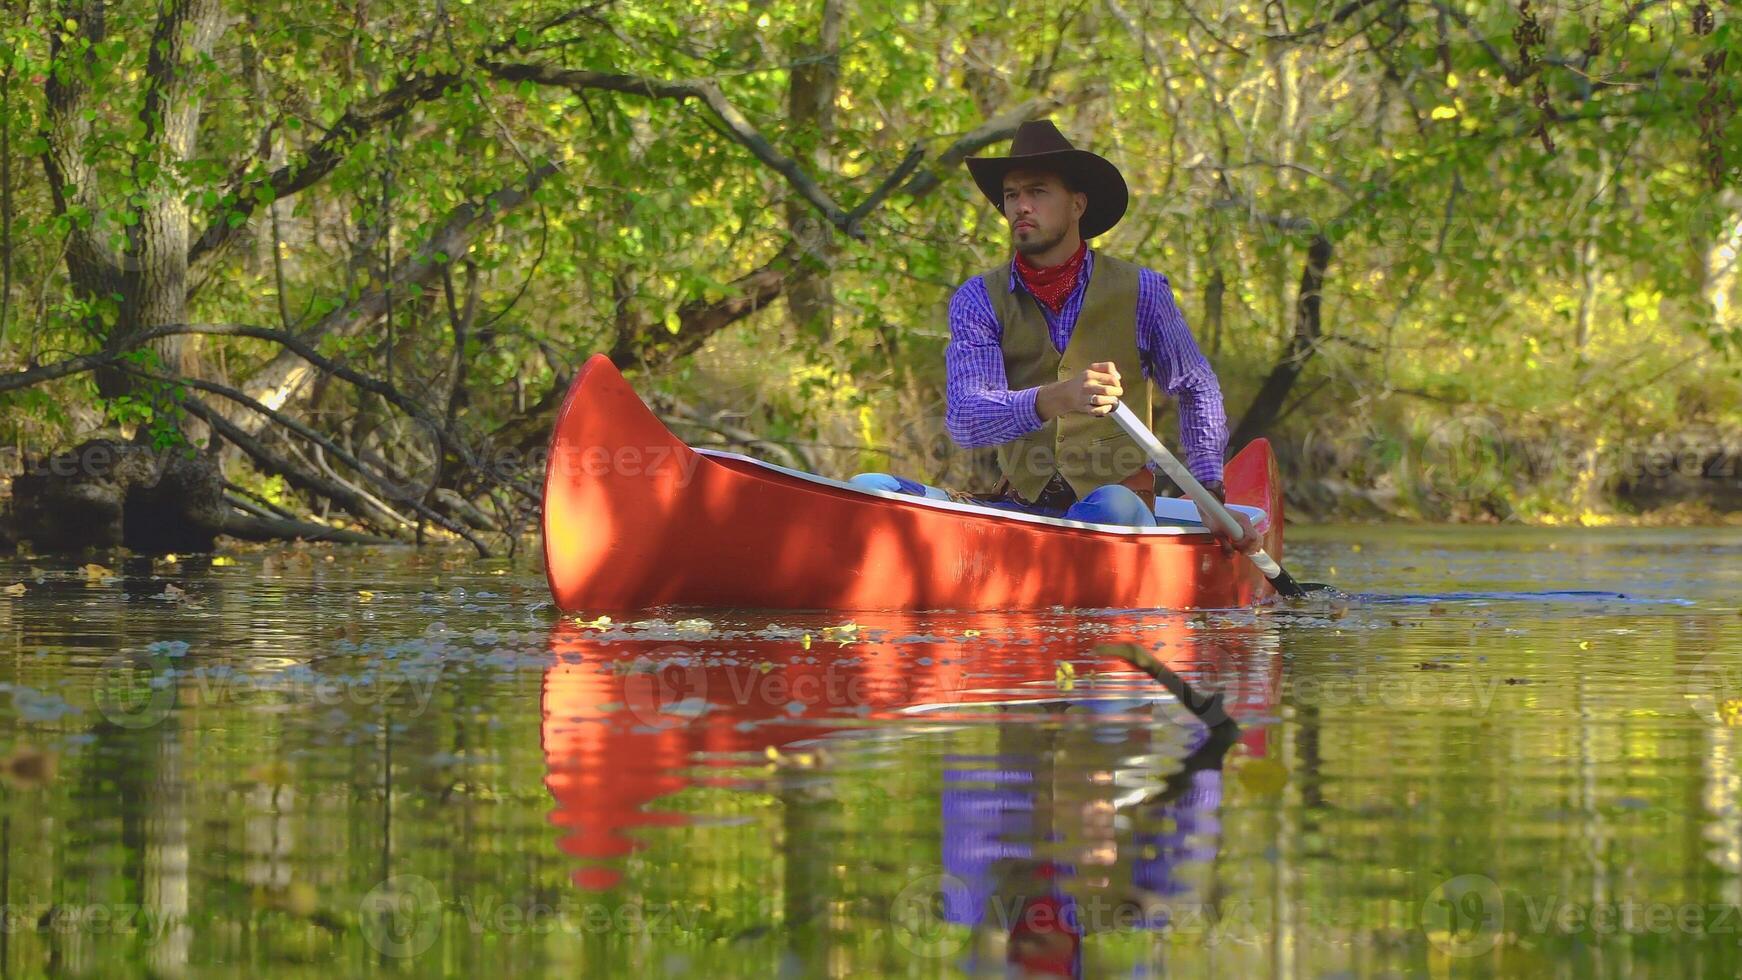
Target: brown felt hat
[1040, 146]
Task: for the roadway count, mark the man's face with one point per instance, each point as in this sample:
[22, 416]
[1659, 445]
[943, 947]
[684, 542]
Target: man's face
[1040, 210]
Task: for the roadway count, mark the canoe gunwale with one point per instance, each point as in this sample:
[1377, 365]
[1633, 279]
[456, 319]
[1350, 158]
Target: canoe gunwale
[1259, 519]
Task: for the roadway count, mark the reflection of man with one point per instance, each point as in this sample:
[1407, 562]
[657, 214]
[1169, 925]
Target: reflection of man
[1041, 348]
[1038, 847]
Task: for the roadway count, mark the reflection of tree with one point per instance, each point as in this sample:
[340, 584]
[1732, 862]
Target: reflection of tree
[810, 813]
[166, 851]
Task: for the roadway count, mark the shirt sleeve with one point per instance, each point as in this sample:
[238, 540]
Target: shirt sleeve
[981, 409]
[1172, 360]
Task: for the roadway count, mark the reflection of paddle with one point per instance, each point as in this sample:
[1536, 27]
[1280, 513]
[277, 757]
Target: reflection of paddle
[1211, 509]
[1207, 708]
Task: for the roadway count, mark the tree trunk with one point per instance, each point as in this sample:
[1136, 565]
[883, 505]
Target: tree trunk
[94, 272]
[1267, 406]
[1719, 262]
[149, 270]
[156, 258]
[1213, 295]
[811, 91]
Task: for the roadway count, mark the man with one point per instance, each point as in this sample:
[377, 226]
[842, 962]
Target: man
[1039, 349]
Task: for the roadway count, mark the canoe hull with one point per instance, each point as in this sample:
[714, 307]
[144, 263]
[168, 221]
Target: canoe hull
[634, 518]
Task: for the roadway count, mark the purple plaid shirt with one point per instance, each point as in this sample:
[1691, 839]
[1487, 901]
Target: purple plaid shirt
[983, 411]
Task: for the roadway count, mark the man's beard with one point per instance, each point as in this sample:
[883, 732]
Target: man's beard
[1035, 246]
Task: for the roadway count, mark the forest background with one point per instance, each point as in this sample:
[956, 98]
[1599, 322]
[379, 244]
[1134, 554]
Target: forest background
[1459, 261]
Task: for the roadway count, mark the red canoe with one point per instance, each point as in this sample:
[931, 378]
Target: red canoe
[634, 518]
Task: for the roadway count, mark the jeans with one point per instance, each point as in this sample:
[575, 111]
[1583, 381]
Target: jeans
[1111, 504]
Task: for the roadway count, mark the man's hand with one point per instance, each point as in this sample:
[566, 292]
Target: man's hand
[1094, 391]
[1248, 536]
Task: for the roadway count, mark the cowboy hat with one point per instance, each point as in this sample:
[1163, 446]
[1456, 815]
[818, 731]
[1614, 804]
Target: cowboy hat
[1040, 146]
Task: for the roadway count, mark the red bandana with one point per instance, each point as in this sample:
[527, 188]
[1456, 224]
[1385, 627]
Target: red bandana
[1052, 286]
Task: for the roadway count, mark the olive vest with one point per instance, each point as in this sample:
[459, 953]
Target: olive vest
[1088, 451]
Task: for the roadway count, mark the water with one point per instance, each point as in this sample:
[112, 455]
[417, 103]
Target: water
[1495, 752]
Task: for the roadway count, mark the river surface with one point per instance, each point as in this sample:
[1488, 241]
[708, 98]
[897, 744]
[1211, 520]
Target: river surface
[1492, 752]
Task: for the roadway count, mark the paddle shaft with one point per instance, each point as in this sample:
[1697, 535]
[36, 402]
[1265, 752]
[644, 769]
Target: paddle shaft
[1215, 514]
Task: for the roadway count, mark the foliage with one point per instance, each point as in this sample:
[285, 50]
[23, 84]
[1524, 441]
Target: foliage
[1532, 210]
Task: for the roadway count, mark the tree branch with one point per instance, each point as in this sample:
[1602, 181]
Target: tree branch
[705, 90]
[997, 129]
[327, 445]
[285, 374]
[1342, 13]
[72, 182]
[319, 161]
[352, 502]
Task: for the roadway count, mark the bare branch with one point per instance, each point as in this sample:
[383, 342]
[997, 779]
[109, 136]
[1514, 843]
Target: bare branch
[997, 129]
[321, 159]
[285, 374]
[907, 166]
[1342, 13]
[708, 92]
[274, 463]
[325, 444]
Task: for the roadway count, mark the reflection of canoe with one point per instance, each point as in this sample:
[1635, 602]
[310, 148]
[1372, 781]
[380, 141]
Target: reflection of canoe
[625, 720]
[633, 517]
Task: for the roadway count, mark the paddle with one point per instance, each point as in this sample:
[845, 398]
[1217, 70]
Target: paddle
[1209, 507]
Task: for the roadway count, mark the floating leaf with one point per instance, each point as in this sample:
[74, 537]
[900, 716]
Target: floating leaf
[35, 706]
[15, 589]
[168, 648]
[27, 768]
[274, 773]
[1264, 777]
